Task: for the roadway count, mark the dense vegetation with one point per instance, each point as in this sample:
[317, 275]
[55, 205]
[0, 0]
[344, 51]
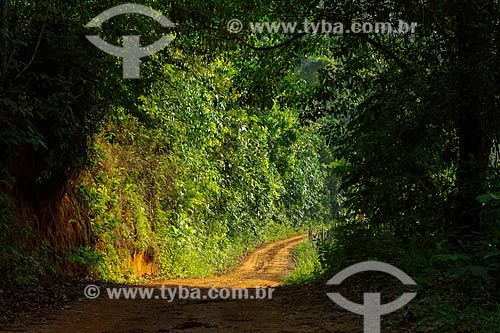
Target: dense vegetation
[178, 169]
[229, 140]
[412, 122]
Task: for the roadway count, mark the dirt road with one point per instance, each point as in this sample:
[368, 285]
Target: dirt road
[266, 266]
[290, 309]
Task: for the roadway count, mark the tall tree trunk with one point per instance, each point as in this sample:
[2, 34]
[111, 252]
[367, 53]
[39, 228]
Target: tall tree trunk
[5, 41]
[475, 107]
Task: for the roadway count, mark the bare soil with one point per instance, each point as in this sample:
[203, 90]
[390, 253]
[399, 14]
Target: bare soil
[299, 308]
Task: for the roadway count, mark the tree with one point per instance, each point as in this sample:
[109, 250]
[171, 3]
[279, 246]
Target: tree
[477, 72]
[417, 121]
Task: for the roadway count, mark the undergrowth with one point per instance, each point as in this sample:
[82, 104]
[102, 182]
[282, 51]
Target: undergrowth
[458, 284]
[306, 264]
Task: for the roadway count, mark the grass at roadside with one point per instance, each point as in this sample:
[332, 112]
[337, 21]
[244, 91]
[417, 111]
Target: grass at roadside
[305, 257]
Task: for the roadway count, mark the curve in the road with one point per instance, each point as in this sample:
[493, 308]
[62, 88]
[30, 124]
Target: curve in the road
[266, 266]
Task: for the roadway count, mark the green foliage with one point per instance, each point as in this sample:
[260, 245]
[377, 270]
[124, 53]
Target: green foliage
[447, 313]
[55, 89]
[217, 148]
[412, 127]
[22, 268]
[201, 178]
[193, 159]
[457, 283]
[458, 286]
[355, 242]
[87, 257]
[307, 265]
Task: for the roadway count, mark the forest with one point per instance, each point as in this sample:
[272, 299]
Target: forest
[386, 144]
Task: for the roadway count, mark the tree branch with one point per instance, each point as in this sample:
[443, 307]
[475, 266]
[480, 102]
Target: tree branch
[268, 48]
[37, 44]
[34, 53]
[382, 49]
